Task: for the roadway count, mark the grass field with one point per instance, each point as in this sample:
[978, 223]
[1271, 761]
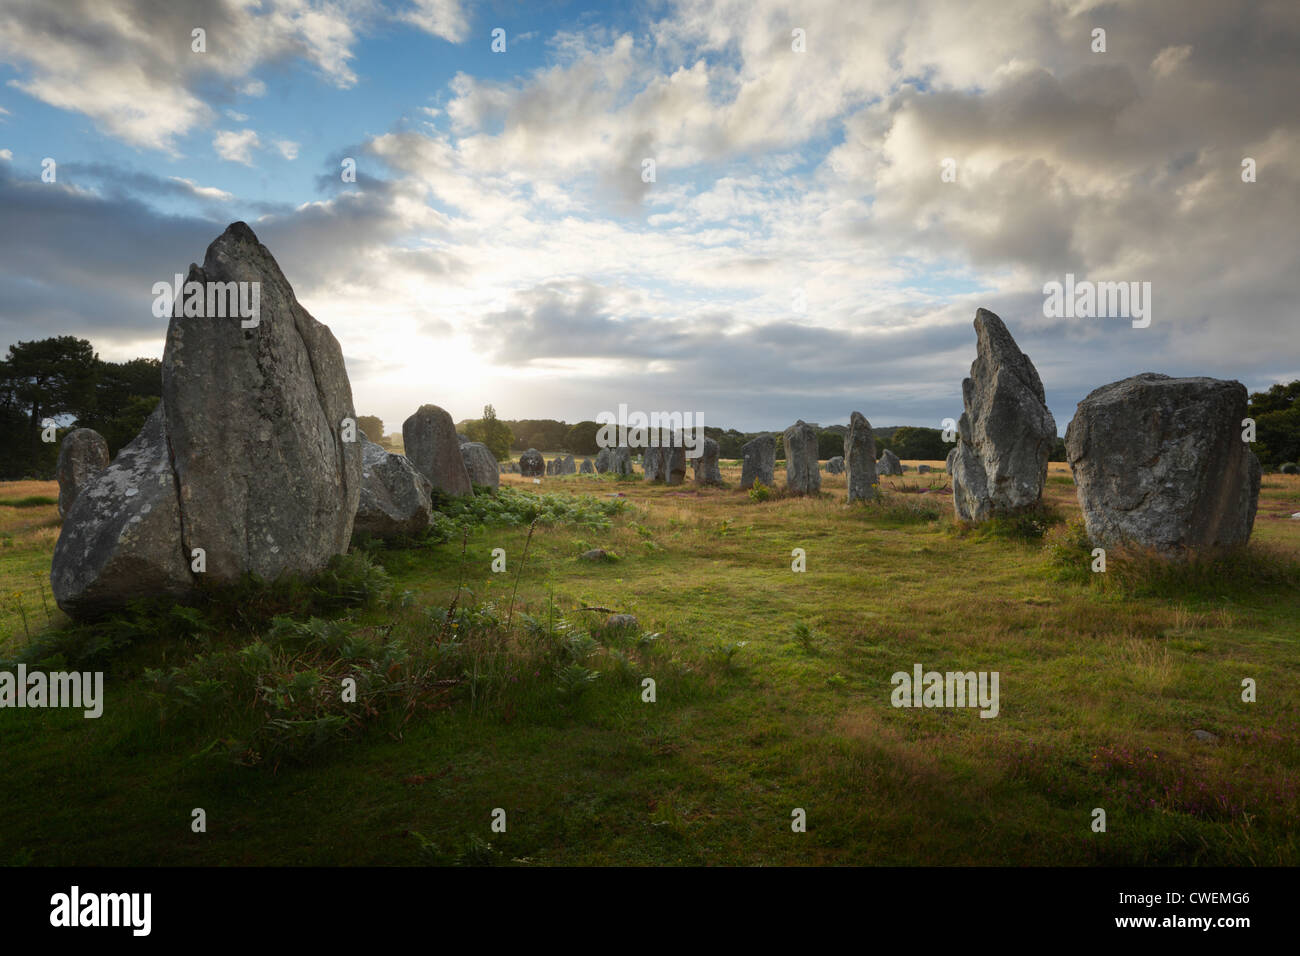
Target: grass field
[772, 693]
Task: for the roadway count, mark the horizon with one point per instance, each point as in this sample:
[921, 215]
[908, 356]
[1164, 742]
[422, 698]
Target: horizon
[836, 188]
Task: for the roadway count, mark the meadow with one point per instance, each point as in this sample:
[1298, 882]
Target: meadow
[482, 690]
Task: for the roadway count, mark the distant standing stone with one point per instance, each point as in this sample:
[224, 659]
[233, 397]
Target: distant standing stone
[83, 454]
[860, 459]
[603, 459]
[620, 460]
[434, 449]
[705, 465]
[835, 466]
[481, 464]
[585, 468]
[802, 476]
[889, 464]
[758, 462]
[532, 464]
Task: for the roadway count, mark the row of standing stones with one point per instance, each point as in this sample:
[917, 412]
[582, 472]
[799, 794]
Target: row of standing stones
[247, 457]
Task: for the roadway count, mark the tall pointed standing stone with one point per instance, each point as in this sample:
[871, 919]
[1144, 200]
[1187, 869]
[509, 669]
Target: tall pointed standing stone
[251, 462]
[1006, 433]
[255, 419]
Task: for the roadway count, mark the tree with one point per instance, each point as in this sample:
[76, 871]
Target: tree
[126, 394]
[829, 445]
[373, 427]
[581, 439]
[50, 377]
[1277, 424]
[492, 432]
[45, 379]
[924, 444]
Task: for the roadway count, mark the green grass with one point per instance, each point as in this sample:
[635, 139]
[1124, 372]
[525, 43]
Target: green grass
[772, 691]
[31, 501]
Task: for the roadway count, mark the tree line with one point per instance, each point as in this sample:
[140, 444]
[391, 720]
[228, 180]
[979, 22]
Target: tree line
[64, 380]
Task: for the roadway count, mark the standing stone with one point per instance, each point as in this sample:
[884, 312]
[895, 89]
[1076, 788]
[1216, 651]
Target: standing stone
[758, 462]
[835, 466]
[568, 466]
[705, 465]
[586, 468]
[434, 449]
[923, 469]
[462, 438]
[121, 537]
[394, 496]
[261, 425]
[674, 463]
[1158, 462]
[603, 459]
[249, 456]
[481, 464]
[1005, 434]
[652, 463]
[550, 468]
[889, 464]
[860, 459]
[532, 464]
[620, 460]
[83, 454]
[802, 476]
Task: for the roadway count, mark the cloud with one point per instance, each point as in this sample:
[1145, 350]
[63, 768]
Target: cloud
[440, 18]
[7, 155]
[287, 147]
[236, 147]
[129, 64]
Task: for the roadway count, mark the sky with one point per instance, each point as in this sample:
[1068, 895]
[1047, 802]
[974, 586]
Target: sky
[836, 187]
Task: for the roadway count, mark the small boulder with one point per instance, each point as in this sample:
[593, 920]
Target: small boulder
[394, 499]
[83, 454]
[121, 538]
[481, 464]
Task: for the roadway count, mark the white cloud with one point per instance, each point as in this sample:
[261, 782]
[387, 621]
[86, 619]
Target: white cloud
[287, 147]
[7, 155]
[120, 62]
[236, 147]
[202, 192]
[237, 116]
[441, 18]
